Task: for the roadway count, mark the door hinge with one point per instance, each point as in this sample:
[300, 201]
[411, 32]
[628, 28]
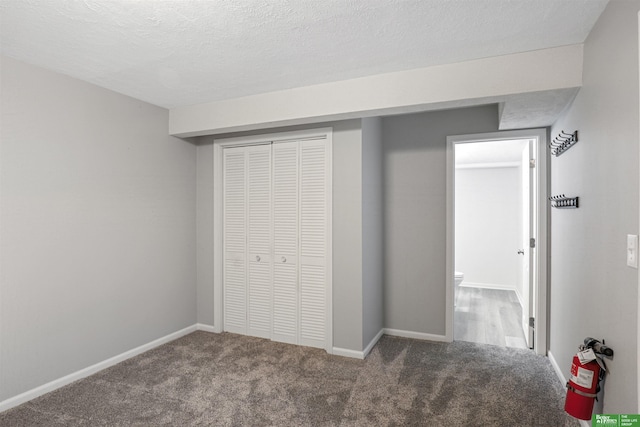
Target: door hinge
[532, 332]
[532, 163]
[532, 242]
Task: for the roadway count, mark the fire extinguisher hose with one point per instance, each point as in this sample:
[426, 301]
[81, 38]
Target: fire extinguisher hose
[581, 393]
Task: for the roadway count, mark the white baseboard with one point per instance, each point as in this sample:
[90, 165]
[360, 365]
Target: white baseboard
[563, 380]
[487, 286]
[416, 335]
[355, 354]
[207, 328]
[556, 368]
[386, 331]
[345, 352]
[520, 298]
[75, 376]
[373, 342]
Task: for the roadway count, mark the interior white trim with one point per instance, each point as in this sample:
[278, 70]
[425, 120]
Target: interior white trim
[416, 335]
[345, 352]
[520, 299]
[638, 312]
[206, 328]
[540, 340]
[488, 165]
[532, 76]
[479, 285]
[90, 370]
[218, 145]
[373, 342]
[556, 368]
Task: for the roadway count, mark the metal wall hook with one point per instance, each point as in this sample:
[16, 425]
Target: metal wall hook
[562, 142]
[563, 202]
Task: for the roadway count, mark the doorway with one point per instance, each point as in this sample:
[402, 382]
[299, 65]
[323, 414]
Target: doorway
[496, 239]
[492, 227]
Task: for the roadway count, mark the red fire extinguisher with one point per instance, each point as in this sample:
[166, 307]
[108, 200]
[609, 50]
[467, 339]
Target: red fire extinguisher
[584, 383]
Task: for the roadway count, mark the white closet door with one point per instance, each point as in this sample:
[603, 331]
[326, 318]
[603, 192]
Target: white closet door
[276, 218]
[313, 243]
[259, 240]
[235, 242]
[285, 232]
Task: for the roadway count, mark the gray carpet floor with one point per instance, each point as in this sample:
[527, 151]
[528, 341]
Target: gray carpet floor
[231, 380]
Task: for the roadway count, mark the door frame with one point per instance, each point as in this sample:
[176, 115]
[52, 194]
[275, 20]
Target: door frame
[218, 214]
[638, 310]
[541, 171]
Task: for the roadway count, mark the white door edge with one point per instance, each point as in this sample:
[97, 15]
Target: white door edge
[540, 340]
[638, 312]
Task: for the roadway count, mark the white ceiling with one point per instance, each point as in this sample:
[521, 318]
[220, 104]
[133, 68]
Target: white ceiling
[177, 53]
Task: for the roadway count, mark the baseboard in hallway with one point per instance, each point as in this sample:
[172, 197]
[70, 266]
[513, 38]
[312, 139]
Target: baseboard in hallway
[480, 285]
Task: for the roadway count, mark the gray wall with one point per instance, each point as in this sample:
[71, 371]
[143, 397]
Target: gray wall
[204, 215]
[414, 150]
[347, 229]
[98, 226]
[372, 230]
[593, 292]
[488, 225]
[347, 235]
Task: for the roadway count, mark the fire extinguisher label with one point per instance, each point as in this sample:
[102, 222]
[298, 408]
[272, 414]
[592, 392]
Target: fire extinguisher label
[581, 377]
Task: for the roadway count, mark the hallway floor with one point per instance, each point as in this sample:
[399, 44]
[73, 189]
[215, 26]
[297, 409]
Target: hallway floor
[489, 316]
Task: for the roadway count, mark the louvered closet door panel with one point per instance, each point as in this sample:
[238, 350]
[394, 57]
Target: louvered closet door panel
[259, 240]
[285, 242]
[313, 241]
[234, 219]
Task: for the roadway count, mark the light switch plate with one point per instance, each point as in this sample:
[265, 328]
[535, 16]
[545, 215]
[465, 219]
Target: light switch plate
[632, 250]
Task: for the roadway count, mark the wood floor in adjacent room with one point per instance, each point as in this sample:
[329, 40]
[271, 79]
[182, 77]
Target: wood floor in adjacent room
[489, 316]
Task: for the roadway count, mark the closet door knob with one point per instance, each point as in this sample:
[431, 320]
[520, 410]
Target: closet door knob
[284, 259]
[258, 258]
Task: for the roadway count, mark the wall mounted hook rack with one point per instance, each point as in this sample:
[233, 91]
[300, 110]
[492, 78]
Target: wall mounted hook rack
[563, 202]
[562, 142]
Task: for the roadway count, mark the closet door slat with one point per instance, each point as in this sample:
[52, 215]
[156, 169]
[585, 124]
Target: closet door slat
[313, 243]
[285, 232]
[235, 240]
[259, 240]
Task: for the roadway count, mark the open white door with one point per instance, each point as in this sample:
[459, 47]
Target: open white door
[531, 252]
[524, 251]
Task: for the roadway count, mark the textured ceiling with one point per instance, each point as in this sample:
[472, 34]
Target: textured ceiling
[176, 53]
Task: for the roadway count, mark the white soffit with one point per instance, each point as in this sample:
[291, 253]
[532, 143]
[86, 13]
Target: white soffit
[531, 80]
[180, 53]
